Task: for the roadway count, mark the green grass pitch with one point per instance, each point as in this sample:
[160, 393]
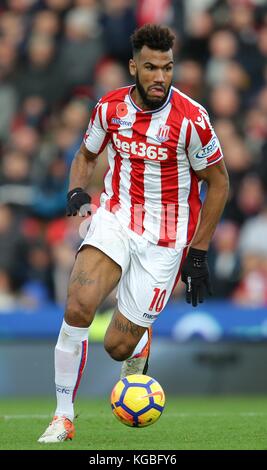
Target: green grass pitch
[191, 423]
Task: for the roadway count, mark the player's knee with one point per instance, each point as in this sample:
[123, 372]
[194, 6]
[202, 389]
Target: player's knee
[79, 312]
[118, 352]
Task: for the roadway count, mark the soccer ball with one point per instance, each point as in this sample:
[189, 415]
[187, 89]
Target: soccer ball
[137, 400]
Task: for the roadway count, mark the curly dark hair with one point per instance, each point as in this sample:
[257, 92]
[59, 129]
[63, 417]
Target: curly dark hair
[154, 36]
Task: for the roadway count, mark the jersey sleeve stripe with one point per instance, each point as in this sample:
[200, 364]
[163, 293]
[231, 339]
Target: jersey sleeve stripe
[104, 144]
[215, 156]
[188, 136]
[103, 116]
[100, 117]
[212, 162]
[96, 138]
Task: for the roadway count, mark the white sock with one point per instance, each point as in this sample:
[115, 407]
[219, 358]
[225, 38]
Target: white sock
[140, 346]
[70, 360]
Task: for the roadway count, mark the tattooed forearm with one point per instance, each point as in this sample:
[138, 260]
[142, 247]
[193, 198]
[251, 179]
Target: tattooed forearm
[82, 279]
[128, 327]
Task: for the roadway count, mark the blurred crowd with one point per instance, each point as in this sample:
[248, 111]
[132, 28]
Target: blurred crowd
[57, 58]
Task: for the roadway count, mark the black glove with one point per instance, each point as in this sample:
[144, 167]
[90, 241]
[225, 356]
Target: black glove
[78, 200]
[195, 274]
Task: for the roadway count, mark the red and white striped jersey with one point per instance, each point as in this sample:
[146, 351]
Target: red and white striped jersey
[151, 185]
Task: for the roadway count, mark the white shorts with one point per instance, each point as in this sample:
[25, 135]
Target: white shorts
[149, 271]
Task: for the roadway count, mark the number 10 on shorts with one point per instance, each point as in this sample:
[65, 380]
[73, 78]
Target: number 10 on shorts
[158, 300]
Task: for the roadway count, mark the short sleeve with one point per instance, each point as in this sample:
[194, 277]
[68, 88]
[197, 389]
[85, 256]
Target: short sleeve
[96, 137]
[203, 144]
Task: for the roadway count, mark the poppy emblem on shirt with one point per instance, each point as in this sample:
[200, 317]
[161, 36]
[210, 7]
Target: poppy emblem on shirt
[163, 133]
[121, 110]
